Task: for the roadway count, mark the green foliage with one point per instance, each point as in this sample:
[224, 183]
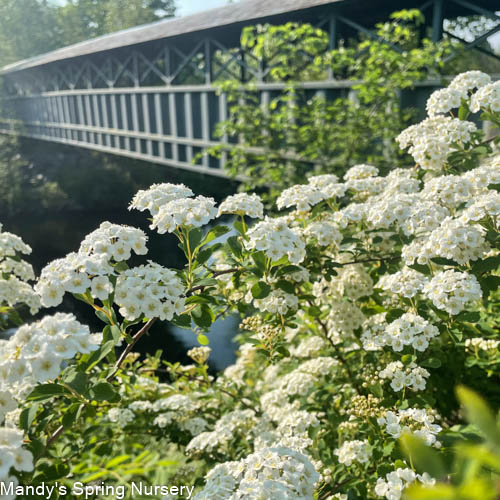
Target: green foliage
[32, 27]
[475, 471]
[281, 142]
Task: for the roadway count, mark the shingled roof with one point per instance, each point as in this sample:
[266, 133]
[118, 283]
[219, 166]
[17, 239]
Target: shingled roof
[244, 12]
[247, 10]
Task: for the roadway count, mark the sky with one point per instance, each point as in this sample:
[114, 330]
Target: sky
[189, 6]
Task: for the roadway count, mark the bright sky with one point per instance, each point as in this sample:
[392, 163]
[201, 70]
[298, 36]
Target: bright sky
[189, 6]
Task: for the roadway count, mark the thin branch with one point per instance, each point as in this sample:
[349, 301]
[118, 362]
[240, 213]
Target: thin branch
[337, 352]
[130, 346]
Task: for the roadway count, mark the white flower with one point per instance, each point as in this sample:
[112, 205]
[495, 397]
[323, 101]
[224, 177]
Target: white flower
[276, 239]
[191, 212]
[302, 196]
[157, 195]
[244, 204]
[354, 451]
[453, 291]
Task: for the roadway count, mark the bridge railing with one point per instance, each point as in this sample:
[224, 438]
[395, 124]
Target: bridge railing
[165, 125]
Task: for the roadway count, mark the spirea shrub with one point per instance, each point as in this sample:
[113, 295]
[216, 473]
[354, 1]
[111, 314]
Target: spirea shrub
[362, 306]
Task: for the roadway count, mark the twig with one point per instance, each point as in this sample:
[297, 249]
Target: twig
[337, 353]
[130, 346]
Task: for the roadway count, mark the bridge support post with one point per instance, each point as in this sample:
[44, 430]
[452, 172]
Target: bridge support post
[437, 21]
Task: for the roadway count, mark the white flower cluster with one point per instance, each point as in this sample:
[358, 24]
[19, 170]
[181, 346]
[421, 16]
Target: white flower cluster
[121, 416]
[393, 485]
[12, 455]
[412, 376]
[354, 451]
[431, 141]
[390, 210]
[114, 242]
[406, 282]
[344, 317]
[408, 330]
[487, 98]
[301, 196]
[373, 332]
[15, 273]
[37, 350]
[243, 204]
[158, 195]
[309, 347]
[191, 212]
[325, 232]
[270, 473]
[486, 205]
[424, 216]
[444, 100]
[7, 404]
[328, 184]
[199, 354]
[352, 281]
[452, 291]
[418, 422]
[453, 240]
[151, 290]
[227, 428]
[470, 80]
[277, 302]
[90, 268]
[363, 180]
[276, 240]
[479, 343]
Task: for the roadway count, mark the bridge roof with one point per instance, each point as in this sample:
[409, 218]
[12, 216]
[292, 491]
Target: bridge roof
[240, 13]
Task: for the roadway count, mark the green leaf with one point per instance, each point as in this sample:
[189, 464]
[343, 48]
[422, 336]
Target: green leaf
[437, 492]
[286, 286]
[260, 260]
[205, 254]
[260, 290]
[116, 461]
[203, 340]
[116, 334]
[441, 261]
[104, 391]
[478, 413]
[100, 353]
[194, 237]
[77, 381]
[72, 414]
[470, 317]
[424, 458]
[485, 265]
[215, 232]
[490, 284]
[182, 321]
[394, 314]
[431, 363]
[27, 416]
[235, 246]
[203, 316]
[47, 391]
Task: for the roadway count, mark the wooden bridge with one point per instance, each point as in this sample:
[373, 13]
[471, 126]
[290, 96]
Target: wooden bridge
[150, 92]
